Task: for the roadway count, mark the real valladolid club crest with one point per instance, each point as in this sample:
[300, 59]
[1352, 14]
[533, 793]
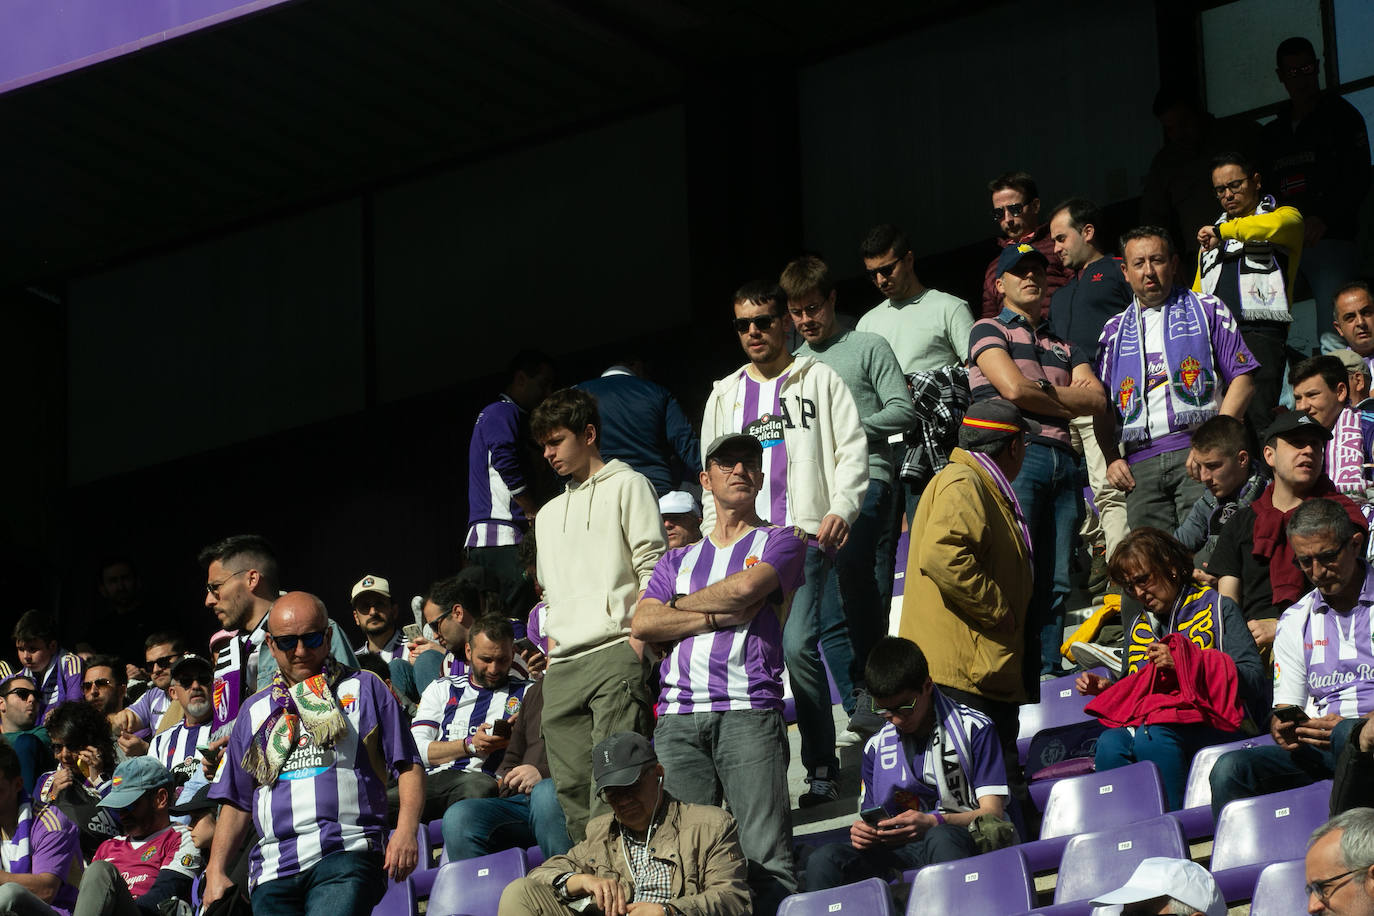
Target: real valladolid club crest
[1192, 383]
[1128, 400]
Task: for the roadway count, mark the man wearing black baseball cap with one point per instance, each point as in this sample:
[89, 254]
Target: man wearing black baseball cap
[649, 850]
[968, 580]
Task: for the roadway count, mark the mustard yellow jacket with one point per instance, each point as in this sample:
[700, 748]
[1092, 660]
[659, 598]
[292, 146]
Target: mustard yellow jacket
[968, 584]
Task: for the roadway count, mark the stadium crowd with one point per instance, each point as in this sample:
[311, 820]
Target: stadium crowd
[642, 600]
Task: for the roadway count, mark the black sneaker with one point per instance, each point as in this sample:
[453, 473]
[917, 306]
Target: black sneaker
[824, 787]
[865, 722]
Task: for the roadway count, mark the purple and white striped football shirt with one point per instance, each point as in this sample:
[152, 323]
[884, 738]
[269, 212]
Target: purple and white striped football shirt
[495, 477]
[1326, 655]
[740, 667]
[759, 412]
[326, 800]
[453, 708]
[175, 748]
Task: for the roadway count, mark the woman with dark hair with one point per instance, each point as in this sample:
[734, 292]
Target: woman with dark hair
[86, 760]
[1157, 571]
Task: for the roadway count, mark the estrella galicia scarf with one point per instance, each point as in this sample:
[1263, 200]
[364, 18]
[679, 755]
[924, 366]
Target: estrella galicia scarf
[1192, 379]
[1259, 273]
[308, 705]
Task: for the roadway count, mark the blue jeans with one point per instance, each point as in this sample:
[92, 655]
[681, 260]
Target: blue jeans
[342, 884]
[853, 615]
[1255, 771]
[739, 755]
[810, 688]
[478, 826]
[1049, 489]
[839, 863]
[1169, 747]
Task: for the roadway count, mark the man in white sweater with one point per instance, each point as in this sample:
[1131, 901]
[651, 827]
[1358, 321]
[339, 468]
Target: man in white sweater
[598, 543]
[815, 466]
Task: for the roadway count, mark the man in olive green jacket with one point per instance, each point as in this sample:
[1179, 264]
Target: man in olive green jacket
[968, 573]
[652, 856]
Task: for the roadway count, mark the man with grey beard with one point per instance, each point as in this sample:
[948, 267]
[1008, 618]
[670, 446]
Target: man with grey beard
[175, 748]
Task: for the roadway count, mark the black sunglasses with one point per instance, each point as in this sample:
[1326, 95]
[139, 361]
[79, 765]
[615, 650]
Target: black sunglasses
[763, 321]
[23, 693]
[100, 682]
[1011, 210]
[166, 661]
[885, 271]
[287, 643]
[186, 680]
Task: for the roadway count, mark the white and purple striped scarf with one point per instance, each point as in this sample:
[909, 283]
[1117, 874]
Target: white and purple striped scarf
[17, 854]
[1004, 487]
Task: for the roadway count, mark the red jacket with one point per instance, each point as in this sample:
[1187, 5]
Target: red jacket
[1199, 690]
[1056, 276]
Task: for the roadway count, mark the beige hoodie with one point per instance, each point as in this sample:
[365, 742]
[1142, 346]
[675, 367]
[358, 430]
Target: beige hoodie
[598, 543]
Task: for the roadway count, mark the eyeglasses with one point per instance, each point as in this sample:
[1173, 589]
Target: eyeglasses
[186, 680]
[808, 310]
[99, 683]
[884, 271]
[763, 321]
[214, 587]
[1232, 186]
[1326, 558]
[23, 693]
[1009, 209]
[1303, 70]
[1323, 889]
[895, 711]
[729, 464]
[166, 661]
[287, 642]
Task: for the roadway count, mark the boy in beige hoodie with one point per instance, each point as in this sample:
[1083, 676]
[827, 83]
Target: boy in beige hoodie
[598, 543]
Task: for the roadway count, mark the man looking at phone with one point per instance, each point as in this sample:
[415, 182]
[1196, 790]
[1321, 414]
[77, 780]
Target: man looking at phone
[462, 725]
[928, 775]
[1323, 654]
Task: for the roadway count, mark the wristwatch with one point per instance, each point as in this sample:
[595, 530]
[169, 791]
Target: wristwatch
[1044, 385]
[560, 885]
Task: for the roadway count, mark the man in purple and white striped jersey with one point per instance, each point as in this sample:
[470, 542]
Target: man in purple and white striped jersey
[177, 748]
[720, 604]
[308, 762]
[501, 500]
[462, 725]
[1323, 658]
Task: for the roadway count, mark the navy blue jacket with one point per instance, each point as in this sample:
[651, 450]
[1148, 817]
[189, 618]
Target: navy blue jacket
[643, 425]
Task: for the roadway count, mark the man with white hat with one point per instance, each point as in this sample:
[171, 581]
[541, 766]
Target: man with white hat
[1173, 886]
[681, 518]
[375, 614]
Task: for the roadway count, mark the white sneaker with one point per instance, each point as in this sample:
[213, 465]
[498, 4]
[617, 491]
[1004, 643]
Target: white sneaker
[1094, 655]
[848, 738]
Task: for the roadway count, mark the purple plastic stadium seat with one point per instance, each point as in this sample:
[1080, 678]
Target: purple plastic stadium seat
[473, 887]
[995, 882]
[1095, 802]
[863, 898]
[1060, 704]
[1095, 863]
[1280, 890]
[534, 857]
[1254, 832]
[399, 900]
[1196, 814]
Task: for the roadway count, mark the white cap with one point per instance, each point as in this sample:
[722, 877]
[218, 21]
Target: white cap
[1187, 882]
[371, 584]
[678, 502]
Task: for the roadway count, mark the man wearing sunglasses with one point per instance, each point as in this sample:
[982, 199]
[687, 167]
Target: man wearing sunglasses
[1016, 211]
[143, 716]
[1340, 865]
[177, 747]
[927, 329]
[1323, 659]
[104, 686]
[1318, 146]
[19, 725]
[932, 771]
[308, 763]
[815, 472]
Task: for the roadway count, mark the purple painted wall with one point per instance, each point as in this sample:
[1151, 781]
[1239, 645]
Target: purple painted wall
[40, 39]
